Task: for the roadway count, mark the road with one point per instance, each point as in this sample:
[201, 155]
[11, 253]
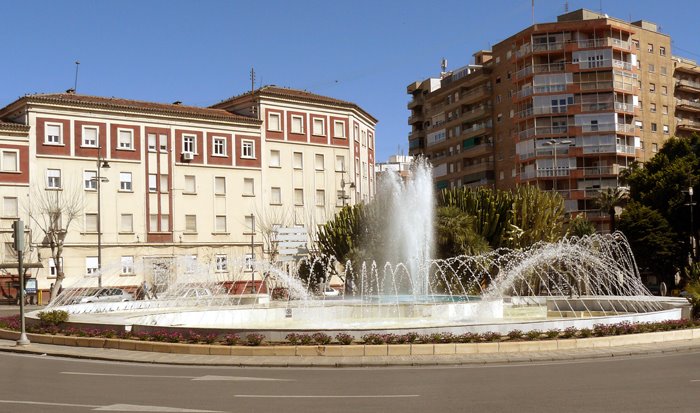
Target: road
[633, 384]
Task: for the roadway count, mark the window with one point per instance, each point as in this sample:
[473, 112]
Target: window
[652, 107]
[319, 127]
[221, 261]
[652, 87]
[298, 196]
[249, 223]
[126, 223]
[364, 138]
[320, 162]
[248, 187]
[164, 222]
[653, 127]
[275, 158]
[355, 131]
[90, 180]
[298, 160]
[91, 266]
[654, 147]
[163, 142]
[665, 128]
[89, 136]
[663, 70]
[273, 122]
[320, 197]
[191, 223]
[220, 185]
[190, 184]
[151, 142]
[297, 124]
[248, 149]
[651, 68]
[128, 265]
[275, 196]
[219, 147]
[52, 267]
[125, 139]
[664, 109]
[662, 50]
[650, 48]
[53, 179]
[9, 160]
[339, 163]
[153, 222]
[220, 223]
[339, 130]
[152, 183]
[90, 222]
[635, 43]
[10, 207]
[125, 181]
[498, 99]
[53, 134]
[664, 90]
[164, 184]
[189, 143]
[639, 125]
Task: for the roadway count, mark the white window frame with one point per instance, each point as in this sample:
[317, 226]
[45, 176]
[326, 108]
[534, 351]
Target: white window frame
[52, 267]
[322, 165]
[221, 263]
[299, 201]
[152, 183]
[339, 129]
[298, 161]
[340, 161]
[164, 222]
[91, 266]
[218, 146]
[189, 143]
[299, 118]
[3, 167]
[127, 264]
[189, 229]
[321, 131]
[53, 179]
[152, 140]
[126, 182]
[219, 179]
[152, 222]
[277, 158]
[6, 212]
[90, 180]
[124, 229]
[217, 228]
[84, 143]
[247, 149]
[320, 198]
[163, 143]
[275, 195]
[49, 139]
[248, 187]
[129, 145]
[163, 181]
[270, 115]
[193, 189]
[91, 216]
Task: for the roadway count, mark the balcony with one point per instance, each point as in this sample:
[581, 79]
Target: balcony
[524, 50]
[547, 47]
[477, 150]
[624, 107]
[546, 173]
[602, 170]
[688, 124]
[595, 64]
[688, 85]
[690, 105]
[627, 87]
[523, 73]
[543, 130]
[604, 42]
[415, 102]
[609, 149]
[415, 118]
[479, 167]
[585, 86]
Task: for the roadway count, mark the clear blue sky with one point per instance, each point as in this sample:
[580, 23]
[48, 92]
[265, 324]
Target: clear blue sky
[201, 52]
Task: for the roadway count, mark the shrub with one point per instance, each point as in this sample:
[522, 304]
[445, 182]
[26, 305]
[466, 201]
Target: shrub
[231, 339]
[11, 322]
[293, 338]
[411, 337]
[491, 336]
[569, 332]
[601, 330]
[552, 333]
[533, 334]
[209, 338]
[53, 318]
[468, 338]
[321, 338]
[344, 338]
[585, 332]
[254, 339]
[515, 334]
[305, 339]
[373, 338]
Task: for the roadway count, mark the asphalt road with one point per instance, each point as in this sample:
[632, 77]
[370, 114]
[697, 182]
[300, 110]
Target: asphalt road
[665, 383]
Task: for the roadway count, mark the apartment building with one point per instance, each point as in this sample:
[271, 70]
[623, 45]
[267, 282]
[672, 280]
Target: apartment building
[564, 105]
[687, 93]
[160, 181]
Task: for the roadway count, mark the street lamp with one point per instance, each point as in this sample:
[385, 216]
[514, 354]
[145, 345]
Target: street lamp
[101, 163]
[692, 225]
[344, 196]
[554, 143]
[252, 253]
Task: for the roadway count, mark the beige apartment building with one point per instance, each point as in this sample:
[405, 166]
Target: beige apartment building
[181, 181]
[565, 106]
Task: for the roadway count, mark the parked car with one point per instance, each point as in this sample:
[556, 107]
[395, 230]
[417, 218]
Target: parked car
[106, 295]
[192, 292]
[330, 292]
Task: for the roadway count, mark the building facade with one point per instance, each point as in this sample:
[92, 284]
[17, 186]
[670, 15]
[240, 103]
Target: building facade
[565, 106]
[210, 184]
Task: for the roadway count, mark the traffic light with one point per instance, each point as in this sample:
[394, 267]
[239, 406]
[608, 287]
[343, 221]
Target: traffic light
[18, 235]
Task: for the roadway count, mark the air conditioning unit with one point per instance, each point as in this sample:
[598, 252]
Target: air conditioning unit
[187, 156]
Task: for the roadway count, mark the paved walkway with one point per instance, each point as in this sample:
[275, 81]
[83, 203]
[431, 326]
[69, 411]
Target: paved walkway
[367, 361]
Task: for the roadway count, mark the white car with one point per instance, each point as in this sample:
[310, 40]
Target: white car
[330, 292]
[106, 295]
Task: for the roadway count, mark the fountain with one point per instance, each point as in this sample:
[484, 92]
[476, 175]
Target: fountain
[575, 282]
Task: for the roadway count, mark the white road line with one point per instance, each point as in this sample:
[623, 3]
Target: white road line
[87, 406]
[321, 396]
[139, 408]
[693, 381]
[193, 378]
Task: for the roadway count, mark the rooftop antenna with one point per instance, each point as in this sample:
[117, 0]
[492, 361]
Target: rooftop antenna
[443, 65]
[253, 108]
[533, 12]
[75, 84]
[566, 6]
[600, 6]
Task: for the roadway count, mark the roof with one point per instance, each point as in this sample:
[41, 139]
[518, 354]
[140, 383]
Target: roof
[294, 94]
[12, 126]
[72, 99]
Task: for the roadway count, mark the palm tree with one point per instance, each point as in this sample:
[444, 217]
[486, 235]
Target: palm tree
[608, 199]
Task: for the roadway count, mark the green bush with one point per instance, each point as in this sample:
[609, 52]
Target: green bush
[53, 318]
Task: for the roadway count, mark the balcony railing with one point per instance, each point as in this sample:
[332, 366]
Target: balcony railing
[546, 173]
[604, 42]
[592, 64]
[543, 47]
[688, 123]
[625, 86]
[543, 130]
[624, 107]
[526, 71]
[596, 106]
[686, 102]
[550, 67]
[624, 127]
[689, 83]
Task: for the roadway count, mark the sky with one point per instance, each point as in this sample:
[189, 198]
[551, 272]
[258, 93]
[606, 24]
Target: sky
[201, 52]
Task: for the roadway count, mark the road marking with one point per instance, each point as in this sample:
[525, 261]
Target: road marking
[113, 407]
[340, 396]
[138, 408]
[193, 378]
[693, 381]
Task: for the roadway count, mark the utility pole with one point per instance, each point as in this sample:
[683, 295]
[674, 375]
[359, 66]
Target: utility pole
[75, 84]
[18, 244]
[253, 108]
[252, 253]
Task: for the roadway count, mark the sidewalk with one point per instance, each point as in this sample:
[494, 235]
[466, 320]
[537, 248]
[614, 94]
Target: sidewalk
[365, 361]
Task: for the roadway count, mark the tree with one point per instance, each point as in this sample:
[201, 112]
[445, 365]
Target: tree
[580, 227]
[653, 241]
[456, 234]
[266, 222]
[608, 199]
[53, 212]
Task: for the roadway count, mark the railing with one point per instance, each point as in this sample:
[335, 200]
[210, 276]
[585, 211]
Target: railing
[546, 173]
[477, 167]
[592, 64]
[603, 42]
[623, 127]
[524, 92]
[474, 92]
[596, 106]
[624, 86]
[602, 170]
[624, 107]
[601, 127]
[621, 64]
[596, 85]
[526, 71]
[541, 47]
[524, 50]
[550, 88]
[687, 102]
[609, 148]
[689, 123]
[550, 67]
[689, 83]
[543, 130]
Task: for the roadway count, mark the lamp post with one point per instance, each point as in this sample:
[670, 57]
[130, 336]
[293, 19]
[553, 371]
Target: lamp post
[692, 225]
[554, 143]
[252, 253]
[101, 163]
